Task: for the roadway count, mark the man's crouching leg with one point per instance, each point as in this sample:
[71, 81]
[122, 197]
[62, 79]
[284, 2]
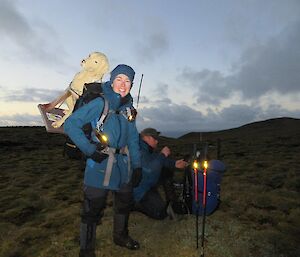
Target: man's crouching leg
[123, 203]
[92, 212]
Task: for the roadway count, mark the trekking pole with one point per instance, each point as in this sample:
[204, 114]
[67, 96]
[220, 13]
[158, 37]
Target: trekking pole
[138, 99]
[205, 165]
[195, 168]
[186, 193]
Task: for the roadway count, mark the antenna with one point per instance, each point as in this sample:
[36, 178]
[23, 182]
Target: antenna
[138, 99]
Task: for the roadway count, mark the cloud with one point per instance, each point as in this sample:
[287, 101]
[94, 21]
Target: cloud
[233, 116]
[161, 90]
[261, 69]
[275, 110]
[23, 119]
[142, 100]
[13, 25]
[153, 44]
[36, 42]
[38, 95]
[210, 86]
[169, 116]
[241, 30]
[273, 66]
[174, 119]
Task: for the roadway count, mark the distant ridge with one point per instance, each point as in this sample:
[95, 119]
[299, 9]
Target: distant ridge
[275, 126]
[283, 121]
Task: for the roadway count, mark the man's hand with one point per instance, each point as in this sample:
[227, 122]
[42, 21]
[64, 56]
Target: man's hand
[166, 151]
[136, 177]
[98, 156]
[181, 164]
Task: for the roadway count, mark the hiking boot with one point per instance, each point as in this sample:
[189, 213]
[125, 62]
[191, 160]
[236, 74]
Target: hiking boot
[87, 253]
[127, 242]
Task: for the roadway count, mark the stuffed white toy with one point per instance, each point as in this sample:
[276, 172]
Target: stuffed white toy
[93, 69]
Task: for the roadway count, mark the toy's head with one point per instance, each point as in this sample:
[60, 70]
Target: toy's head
[96, 63]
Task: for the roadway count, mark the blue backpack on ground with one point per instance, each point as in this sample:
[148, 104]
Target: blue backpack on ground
[214, 175]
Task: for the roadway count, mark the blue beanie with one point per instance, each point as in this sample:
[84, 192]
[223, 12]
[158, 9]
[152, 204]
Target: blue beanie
[122, 69]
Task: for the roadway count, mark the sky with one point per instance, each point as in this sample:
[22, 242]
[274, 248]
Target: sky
[207, 65]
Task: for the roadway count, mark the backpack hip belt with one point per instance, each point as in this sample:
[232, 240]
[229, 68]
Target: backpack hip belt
[111, 158]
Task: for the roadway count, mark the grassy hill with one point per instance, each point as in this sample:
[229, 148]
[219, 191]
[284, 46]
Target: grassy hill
[40, 196]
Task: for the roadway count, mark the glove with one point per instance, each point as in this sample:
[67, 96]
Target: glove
[98, 156]
[136, 177]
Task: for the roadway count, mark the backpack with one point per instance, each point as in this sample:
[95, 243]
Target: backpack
[90, 92]
[184, 188]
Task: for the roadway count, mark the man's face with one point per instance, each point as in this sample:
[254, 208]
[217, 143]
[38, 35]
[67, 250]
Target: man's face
[151, 141]
[121, 85]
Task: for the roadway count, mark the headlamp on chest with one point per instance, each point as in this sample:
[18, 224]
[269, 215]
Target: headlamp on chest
[131, 114]
[103, 139]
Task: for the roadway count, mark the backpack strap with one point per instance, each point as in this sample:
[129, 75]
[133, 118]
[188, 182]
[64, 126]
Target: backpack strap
[111, 159]
[103, 116]
[130, 113]
[110, 151]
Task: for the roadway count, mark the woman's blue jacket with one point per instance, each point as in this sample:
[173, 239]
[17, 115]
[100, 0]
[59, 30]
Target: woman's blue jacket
[120, 133]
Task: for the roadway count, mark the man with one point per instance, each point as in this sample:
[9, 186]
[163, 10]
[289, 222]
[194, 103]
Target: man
[154, 164]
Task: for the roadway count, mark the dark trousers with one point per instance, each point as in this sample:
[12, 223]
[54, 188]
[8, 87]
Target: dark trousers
[92, 211]
[167, 181]
[152, 205]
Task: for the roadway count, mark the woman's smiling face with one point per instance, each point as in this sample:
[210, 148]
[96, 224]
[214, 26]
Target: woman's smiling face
[121, 85]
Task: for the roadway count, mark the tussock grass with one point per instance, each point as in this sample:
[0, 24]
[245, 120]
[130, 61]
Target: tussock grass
[259, 215]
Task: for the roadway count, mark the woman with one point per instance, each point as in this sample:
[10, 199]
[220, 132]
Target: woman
[109, 163]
